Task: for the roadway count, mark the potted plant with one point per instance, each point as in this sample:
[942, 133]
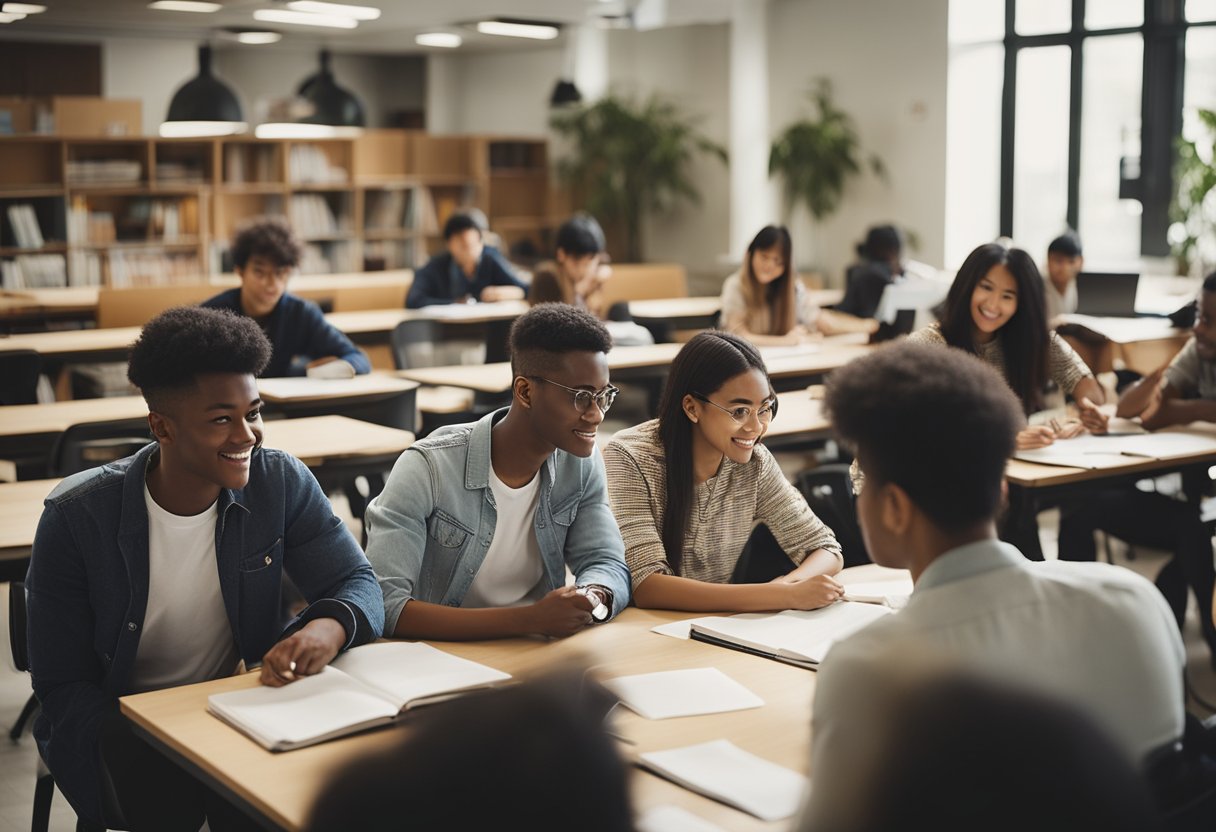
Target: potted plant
[1192, 233]
[816, 156]
[628, 158]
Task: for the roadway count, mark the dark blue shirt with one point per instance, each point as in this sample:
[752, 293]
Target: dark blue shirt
[299, 333]
[441, 280]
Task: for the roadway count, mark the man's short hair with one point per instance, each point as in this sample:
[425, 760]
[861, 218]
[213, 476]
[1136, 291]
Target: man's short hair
[933, 420]
[546, 332]
[459, 223]
[269, 237]
[580, 235]
[180, 344]
[1068, 245]
[1209, 283]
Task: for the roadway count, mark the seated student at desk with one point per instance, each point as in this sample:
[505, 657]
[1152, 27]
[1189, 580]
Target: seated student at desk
[264, 253]
[766, 303]
[166, 568]
[881, 265]
[933, 430]
[468, 270]
[477, 524]
[1064, 263]
[1178, 394]
[688, 488]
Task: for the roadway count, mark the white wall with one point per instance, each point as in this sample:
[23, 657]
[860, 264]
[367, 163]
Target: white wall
[504, 93]
[147, 69]
[887, 61]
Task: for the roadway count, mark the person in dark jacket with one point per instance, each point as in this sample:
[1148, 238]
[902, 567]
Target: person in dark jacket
[166, 568]
[881, 263]
[467, 270]
[265, 252]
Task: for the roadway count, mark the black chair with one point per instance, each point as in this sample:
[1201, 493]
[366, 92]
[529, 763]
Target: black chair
[412, 341]
[828, 490]
[19, 371]
[498, 341]
[1182, 777]
[90, 444]
[905, 319]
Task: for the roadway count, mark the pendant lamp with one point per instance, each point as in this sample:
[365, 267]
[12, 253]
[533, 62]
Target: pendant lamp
[332, 105]
[204, 105]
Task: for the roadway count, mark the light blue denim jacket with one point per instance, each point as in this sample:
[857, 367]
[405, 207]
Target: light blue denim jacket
[429, 530]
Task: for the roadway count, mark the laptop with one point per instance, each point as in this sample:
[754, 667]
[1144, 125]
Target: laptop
[1107, 294]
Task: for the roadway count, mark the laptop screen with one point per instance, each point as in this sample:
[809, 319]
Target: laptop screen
[1109, 294]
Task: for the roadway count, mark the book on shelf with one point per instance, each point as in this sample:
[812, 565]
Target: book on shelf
[308, 165]
[420, 212]
[84, 268]
[365, 687]
[151, 267]
[24, 222]
[797, 637]
[102, 171]
[34, 271]
[385, 210]
[311, 216]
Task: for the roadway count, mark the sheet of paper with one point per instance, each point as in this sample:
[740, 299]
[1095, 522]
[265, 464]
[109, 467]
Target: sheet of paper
[723, 771]
[894, 593]
[675, 629]
[673, 693]
[672, 819]
[1107, 450]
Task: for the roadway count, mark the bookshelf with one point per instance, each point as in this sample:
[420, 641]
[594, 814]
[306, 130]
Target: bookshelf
[149, 211]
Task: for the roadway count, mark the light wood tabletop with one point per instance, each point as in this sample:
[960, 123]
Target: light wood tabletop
[85, 344]
[20, 510]
[56, 417]
[673, 309]
[1140, 344]
[299, 389]
[800, 416]
[280, 787]
[1034, 475]
[383, 321]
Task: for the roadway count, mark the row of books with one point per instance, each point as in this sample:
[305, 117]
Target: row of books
[379, 255]
[24, 222]
[328, 258]
[308, 165]
[34, 271]
[249, 163]
[102, 171]
[311, 216]
[150, 268]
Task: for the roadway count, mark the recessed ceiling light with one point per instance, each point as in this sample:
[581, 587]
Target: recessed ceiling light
[22, 8]
[184, 6]
[258, 37]
[340, 9]
[517, 29]
[5, 17]
[444, 40]
[305, 19]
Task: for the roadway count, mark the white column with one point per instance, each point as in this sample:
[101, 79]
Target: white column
[442, 94]
[590, 70]
[752, 204]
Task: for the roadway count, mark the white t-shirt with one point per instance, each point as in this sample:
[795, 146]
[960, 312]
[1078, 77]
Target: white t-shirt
[186, 635]
[512, 571]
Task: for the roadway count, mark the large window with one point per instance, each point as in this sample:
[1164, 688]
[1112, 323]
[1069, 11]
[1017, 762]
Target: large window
[1093, 94]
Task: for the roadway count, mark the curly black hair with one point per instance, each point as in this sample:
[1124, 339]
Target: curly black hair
[182, 343]
[937, 422]
[547, 331]
[269, 237]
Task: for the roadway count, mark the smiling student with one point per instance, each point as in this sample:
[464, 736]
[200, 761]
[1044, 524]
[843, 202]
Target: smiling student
[265, 252]
[688, 488]
[468, 269]
[995, 311]
[477, 524]
[165, 568]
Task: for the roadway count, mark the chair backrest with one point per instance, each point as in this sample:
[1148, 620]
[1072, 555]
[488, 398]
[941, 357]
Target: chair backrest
[498, 341]
[19, 371]
[137, 306]
[828, 490]
[413, 343]
[90, 444]
[645, 281]
[16, 625]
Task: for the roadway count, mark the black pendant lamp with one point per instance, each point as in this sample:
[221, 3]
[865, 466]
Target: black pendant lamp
[565, 94]
[331, 105]
[204, 105]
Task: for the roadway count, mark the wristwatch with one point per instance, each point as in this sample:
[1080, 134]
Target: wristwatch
[596, 594]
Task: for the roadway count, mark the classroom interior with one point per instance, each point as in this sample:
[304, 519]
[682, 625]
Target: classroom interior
[968, 120]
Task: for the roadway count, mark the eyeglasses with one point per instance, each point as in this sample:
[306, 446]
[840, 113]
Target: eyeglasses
[583, 398]
[743, 413]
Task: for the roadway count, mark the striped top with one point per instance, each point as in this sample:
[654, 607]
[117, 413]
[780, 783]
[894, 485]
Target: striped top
[725, 509]
[1065, 367]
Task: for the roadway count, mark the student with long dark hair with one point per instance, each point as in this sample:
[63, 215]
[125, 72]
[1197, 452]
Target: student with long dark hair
[766, 302]
[688, 488]
[995, 310]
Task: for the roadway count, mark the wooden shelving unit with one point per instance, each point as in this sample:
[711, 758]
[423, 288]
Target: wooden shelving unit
[142, 211]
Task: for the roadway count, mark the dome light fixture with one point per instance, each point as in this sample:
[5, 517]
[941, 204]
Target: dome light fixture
[204, 105]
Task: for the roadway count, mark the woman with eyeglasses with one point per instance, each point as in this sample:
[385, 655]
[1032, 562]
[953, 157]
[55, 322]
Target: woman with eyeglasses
[689, 487]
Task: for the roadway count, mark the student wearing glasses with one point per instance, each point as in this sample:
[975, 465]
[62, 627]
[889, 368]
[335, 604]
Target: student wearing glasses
[688, 488]
[477, 524]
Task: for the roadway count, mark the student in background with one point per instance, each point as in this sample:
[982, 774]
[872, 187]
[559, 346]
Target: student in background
[477, 524]
[933, 430]
[1178, 394]
[995, 310]
[766, 303]
[166, 568]
[881, 264]
[468, 270]
[265, 253]
[537, 751]
[688, 488]
[1064, 263]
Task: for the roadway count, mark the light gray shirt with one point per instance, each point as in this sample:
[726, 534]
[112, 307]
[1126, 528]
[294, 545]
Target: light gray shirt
[1098, 636]
[1059, 303]
[1190, 375]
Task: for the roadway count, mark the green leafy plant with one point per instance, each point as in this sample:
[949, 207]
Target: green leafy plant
[628, 158]
[816, 157]
[1192, 233]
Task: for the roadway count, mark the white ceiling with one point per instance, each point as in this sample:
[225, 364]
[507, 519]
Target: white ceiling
[392, 33]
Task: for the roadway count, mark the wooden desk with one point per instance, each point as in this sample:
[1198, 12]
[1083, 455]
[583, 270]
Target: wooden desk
[279, 788]
[381, 322]
[20, 510]
[299, 390]
[1141, 344]
[800, 418]
[82, 345]
[32, 420]
[677, 313]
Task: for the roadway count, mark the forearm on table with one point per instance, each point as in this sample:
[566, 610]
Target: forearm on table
[671, 592]
[421, 620]
[1181, 412]
[818, 562]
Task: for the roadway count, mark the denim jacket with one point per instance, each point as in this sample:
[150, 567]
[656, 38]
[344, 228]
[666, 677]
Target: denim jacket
[429, 530]
[88, 592]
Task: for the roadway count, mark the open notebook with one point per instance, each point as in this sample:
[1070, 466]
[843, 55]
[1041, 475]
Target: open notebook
[363, 688]
[799, 637]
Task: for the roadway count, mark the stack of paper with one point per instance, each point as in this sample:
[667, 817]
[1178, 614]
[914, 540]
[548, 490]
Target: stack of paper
[672, 693]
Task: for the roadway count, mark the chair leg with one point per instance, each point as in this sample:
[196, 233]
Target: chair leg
[44, 791]
[31, 708]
